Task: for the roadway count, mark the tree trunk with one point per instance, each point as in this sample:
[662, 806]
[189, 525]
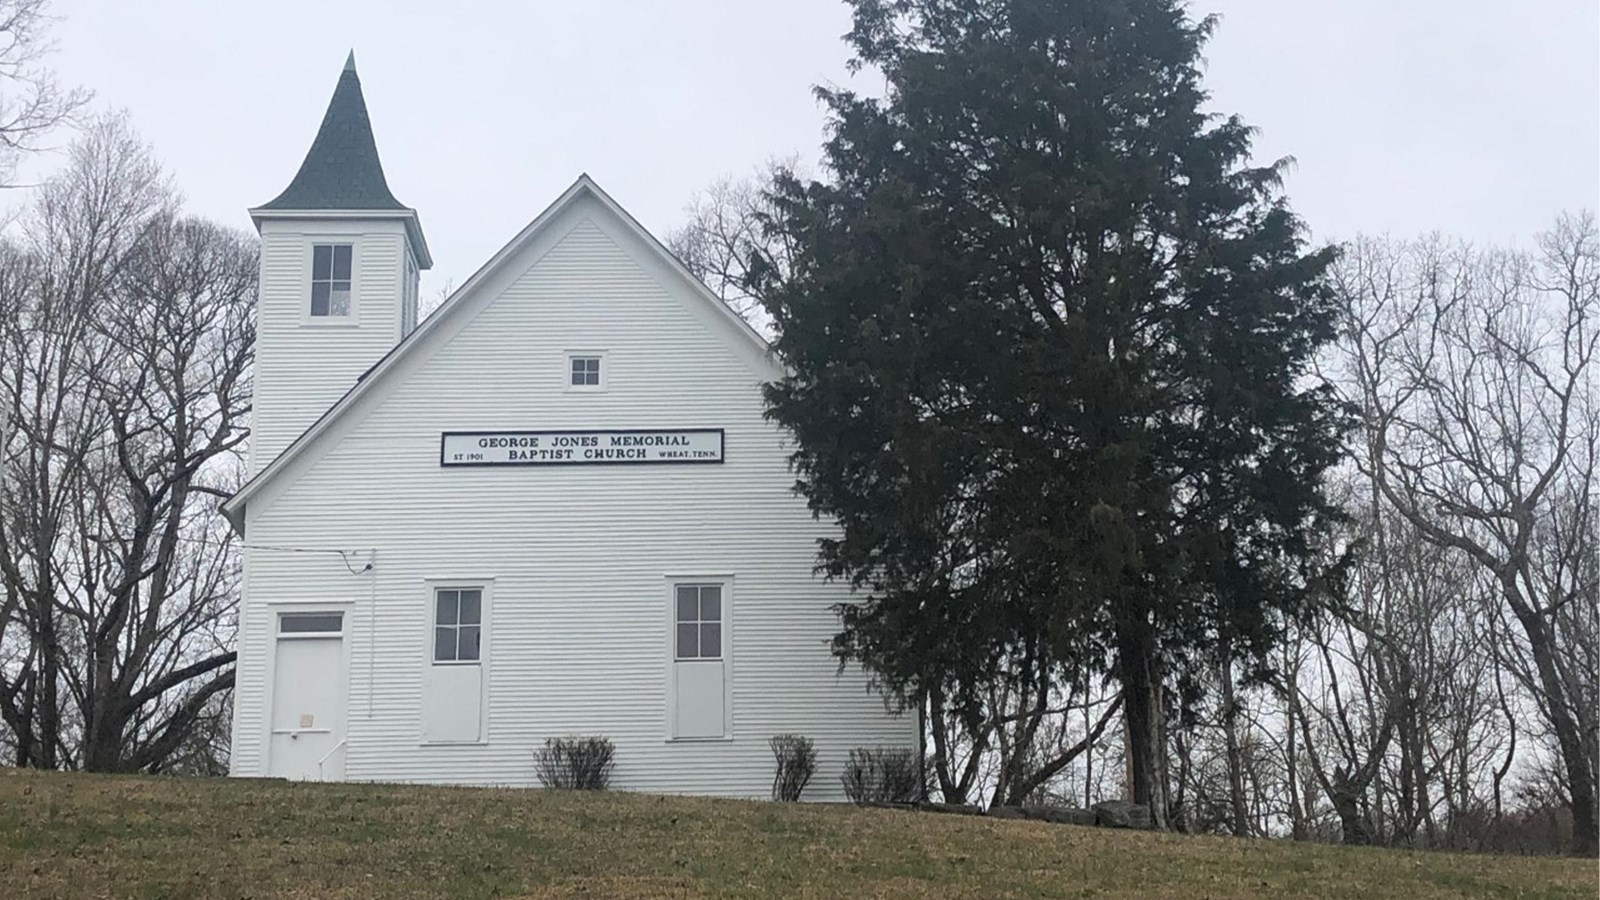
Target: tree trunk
[1347, 804]
[47, 700]
[1411, 785]
[1230, 729]
[952, 789]
[1580, 778]
[1299, 828]
[102, 749]
[1138, 671]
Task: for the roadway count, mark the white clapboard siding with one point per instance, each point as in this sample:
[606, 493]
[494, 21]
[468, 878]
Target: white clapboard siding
[579, 641]
[302, 370]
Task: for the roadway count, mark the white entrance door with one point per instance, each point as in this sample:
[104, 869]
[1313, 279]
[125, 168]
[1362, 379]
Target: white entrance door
[700, 660]
[308, 698]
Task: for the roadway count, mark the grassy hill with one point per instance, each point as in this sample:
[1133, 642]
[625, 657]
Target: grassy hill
[100, 836]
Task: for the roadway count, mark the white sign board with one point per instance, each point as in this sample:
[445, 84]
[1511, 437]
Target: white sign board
[545, 448]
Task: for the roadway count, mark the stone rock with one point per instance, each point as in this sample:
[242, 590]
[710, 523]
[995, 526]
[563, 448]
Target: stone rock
[1121, 814]
[1080, 816]
[1060, 815]
[960, 809]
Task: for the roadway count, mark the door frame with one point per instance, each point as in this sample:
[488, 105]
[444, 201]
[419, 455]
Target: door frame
[430, 588]
[726, 582]
[276, 612]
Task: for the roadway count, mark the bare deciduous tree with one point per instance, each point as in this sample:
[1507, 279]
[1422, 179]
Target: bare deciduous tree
[32, 102]
[128, 334]
[725, 244]
[1476, 376]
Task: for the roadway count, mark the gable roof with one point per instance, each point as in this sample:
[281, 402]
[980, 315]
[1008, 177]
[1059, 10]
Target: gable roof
[422, 340]
[342, 169]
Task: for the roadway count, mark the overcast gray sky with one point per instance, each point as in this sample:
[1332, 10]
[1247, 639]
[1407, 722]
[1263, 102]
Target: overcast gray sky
[1473, 117]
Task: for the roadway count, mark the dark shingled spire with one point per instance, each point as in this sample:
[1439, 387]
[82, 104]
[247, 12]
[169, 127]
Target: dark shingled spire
[342, 170]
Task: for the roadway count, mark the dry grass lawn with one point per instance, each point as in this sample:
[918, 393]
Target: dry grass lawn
[100, 836]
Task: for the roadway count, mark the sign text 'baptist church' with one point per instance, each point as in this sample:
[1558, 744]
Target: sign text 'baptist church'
[534, 448]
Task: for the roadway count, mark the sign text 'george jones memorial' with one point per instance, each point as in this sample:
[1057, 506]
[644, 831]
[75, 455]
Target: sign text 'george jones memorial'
[533, 448]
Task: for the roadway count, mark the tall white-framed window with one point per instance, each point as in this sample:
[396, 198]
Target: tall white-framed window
[332, 266]
[586, 370]
[457, 625]
[698, 614]
[700, 649]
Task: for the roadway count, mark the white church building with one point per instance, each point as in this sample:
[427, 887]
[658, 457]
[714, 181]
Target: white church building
[553, 508]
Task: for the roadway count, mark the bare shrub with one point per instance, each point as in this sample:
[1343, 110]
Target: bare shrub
[882, 775]
[575, 763]
[797, 762]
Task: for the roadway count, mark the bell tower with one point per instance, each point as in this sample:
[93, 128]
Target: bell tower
[340, 258]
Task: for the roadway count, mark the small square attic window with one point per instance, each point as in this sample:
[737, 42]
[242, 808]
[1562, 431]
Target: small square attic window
[586, 371]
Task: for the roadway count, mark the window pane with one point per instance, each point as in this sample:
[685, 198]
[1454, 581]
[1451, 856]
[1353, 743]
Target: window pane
[710, 641]
[687, 611]
[711, 603]
[585, 370]
[444, 644]
[688, 642]
[467, 645]
[471, 607]
[582, 370]
[321, 262]
[319, 299]
[341, 262]
[445, 608]
[339, 299]
[304, 623]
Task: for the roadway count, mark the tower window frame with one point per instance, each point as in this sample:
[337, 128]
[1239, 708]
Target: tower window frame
[331, 296]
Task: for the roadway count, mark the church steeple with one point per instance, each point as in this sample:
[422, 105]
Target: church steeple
[340, 263]
[342, 170]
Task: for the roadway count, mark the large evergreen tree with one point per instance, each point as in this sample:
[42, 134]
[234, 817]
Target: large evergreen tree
[1049, 335]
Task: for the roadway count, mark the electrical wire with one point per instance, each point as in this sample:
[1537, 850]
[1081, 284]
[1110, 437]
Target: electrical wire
[344, 555]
